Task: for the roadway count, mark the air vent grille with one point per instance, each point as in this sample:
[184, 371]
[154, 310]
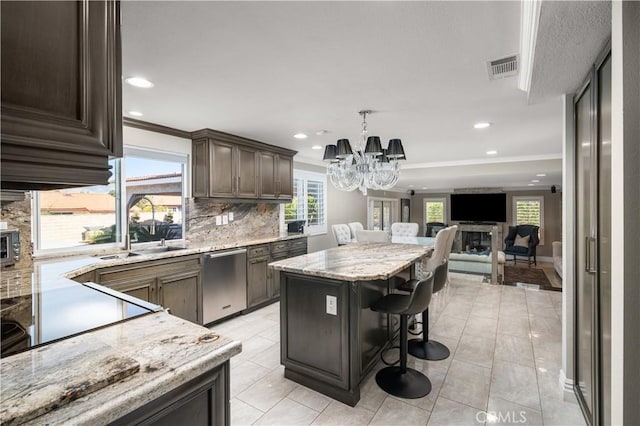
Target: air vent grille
[503, 67]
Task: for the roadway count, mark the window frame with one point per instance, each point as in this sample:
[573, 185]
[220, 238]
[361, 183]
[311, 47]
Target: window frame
[514, 214]
[442, 200]
[306, 176]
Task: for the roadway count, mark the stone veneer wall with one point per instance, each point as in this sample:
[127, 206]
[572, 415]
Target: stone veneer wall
[17, 214]
[250, 221]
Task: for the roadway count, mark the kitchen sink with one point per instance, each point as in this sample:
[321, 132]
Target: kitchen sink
[119, 256]
[158, 249]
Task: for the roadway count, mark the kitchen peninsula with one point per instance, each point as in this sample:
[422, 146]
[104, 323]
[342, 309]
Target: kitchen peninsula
[330, 339]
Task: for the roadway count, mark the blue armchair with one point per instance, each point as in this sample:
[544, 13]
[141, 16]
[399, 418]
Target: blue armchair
[528, 250]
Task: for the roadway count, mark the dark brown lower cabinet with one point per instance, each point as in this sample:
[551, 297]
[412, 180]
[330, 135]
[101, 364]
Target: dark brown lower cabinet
[202, 401]
[180, 294]
[175, 284]
[257, 282]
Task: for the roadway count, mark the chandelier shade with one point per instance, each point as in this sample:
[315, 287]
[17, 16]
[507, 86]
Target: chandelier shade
[366, 165]
[330, 152]
[344, 148]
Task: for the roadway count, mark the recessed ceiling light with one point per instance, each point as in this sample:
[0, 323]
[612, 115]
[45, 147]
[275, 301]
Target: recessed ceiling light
[300, 136]
[541, 174]
[424, 187]
[492, 152]
[316, 147]
[139, 82]
[410, 186]
[321, 132]
[136, 113]
[482, 125]
[535, 180]
[530, 184]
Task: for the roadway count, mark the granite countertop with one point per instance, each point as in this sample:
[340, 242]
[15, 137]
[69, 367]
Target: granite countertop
[113, 370]
[356, 262]
[160, 351]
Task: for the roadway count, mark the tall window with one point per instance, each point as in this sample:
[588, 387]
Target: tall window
[76, 217]
[529, 211]
[381, 213]
[309, 201]
[434, 210]
[154, 195]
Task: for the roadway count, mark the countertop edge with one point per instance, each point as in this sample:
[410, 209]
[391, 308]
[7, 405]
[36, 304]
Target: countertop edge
[150, 389]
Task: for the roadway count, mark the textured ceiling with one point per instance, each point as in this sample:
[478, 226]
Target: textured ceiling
[570, 37]
[268, 70]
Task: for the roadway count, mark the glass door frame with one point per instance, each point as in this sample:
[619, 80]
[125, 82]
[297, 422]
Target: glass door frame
[593, 416]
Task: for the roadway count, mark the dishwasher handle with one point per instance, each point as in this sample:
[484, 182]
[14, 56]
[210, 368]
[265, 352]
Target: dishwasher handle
[225, 253]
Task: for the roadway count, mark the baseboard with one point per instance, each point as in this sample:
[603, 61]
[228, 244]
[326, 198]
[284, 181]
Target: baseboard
[544, 259]
[566, 385]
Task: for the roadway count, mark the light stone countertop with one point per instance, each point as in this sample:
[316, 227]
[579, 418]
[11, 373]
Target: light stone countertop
[356, 262]
[167, 350]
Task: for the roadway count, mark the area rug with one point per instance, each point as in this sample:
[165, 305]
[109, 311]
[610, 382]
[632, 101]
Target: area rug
[527, 277]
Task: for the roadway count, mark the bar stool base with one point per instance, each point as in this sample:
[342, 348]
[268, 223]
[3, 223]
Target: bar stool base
[432, 350]
[412, 384]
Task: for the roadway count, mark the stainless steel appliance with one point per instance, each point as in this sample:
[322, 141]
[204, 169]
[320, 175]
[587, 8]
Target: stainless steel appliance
[224, 288]
[9, 246]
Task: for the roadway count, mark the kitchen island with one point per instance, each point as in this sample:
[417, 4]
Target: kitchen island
[330, 339]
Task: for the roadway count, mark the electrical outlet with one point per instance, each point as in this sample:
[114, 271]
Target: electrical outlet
[230, 216]
[332, 305]
[225, 219]
[3, 225]
[218, 220]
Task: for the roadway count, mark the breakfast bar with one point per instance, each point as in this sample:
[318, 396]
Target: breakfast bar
[330, 339]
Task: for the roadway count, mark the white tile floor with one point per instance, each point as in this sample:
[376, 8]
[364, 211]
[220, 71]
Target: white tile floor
[504, 368]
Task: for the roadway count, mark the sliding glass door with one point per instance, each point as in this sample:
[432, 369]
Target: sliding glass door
[382, 213]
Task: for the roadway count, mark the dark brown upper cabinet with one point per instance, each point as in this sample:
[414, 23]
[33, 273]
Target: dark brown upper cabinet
[61, 93]
[230, 167]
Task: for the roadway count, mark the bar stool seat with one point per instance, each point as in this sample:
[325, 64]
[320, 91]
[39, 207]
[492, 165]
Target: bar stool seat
[424, 348]
[401, 381]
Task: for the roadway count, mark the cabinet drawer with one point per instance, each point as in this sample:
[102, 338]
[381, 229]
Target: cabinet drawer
[149, 268]
[295, 253]
[279, 247]
[300, 244]
[255, 251]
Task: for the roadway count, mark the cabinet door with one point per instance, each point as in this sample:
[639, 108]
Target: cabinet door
[200, 168]
[182, 295]
[247, 173]
[274, 277]
[221, 169]
[267, 175]
[257, 283]
[285, 177]
[61, 93]
[143, 288]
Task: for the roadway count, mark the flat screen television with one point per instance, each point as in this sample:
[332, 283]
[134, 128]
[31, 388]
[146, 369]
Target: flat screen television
[479, 207]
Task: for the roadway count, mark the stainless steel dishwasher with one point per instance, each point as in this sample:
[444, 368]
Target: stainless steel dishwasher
[224, 288]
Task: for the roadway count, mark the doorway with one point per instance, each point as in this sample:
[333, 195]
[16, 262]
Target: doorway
[381, 213]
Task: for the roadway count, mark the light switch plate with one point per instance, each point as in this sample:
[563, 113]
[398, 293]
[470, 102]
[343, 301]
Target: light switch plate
[218, 220]
[332, 305]
[225, 219]
[230, 216]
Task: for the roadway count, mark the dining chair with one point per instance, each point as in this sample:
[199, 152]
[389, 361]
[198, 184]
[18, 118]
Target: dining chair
[403, 229]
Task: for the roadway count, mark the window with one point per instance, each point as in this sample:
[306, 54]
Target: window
[145, 196]
[153, 195]
[434, 210]
[77, 217]
[309, 201]
[529, 211]
[381, 213]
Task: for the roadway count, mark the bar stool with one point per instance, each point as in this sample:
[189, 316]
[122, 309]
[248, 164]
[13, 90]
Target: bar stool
[425, 348]
[401, 381]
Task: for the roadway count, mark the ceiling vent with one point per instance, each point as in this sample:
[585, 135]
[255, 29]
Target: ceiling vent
[502, 67]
